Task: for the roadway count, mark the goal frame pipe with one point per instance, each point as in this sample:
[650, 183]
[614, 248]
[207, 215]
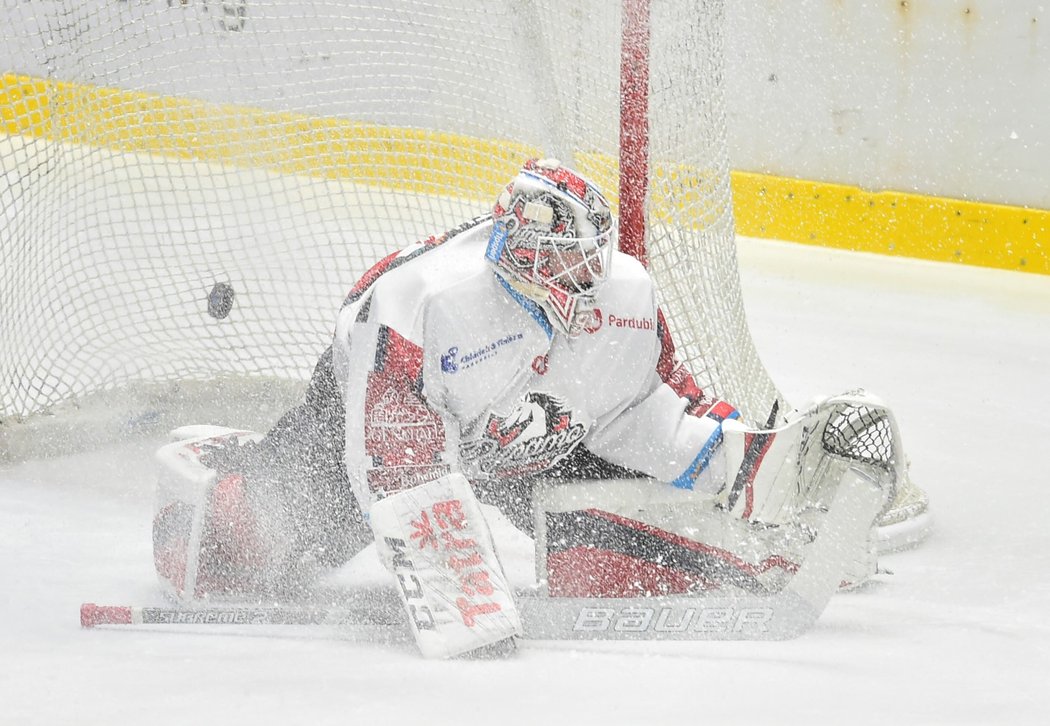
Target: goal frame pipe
[634, 127]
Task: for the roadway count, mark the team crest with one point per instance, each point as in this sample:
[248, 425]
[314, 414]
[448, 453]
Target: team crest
[533, 438]
[592, 322]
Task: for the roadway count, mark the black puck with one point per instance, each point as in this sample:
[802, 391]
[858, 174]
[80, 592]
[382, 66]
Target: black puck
[220, 300]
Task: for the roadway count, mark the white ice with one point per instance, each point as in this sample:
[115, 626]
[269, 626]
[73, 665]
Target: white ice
[959, 633]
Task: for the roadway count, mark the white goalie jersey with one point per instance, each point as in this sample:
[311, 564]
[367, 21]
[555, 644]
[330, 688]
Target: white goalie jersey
[444, 366]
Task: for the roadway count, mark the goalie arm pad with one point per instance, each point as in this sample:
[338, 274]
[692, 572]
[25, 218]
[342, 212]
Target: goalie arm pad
[671, 430]
[435, 541]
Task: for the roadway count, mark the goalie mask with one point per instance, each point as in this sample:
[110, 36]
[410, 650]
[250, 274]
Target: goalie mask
[552, 239]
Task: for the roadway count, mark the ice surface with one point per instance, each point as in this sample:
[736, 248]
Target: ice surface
[958, 634]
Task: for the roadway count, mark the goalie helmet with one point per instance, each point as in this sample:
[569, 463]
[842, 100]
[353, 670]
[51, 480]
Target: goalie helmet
[553, 236]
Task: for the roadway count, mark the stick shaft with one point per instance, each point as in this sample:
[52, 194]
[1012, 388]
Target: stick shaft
[92, 615]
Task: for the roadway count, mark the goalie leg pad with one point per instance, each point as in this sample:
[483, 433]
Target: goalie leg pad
[596, 552]
[635, 538]
[435, 541]
[208, 535]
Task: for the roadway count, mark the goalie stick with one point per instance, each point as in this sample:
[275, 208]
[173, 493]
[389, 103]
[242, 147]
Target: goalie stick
[779, 616]
[656, 618]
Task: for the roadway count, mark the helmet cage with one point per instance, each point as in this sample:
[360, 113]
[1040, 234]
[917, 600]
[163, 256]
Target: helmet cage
[576, 266]
[555, 235]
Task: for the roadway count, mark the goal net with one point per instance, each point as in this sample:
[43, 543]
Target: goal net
[188, 188]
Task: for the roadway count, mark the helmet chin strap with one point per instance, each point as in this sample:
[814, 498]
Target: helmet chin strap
[564, 311]
[534, 292]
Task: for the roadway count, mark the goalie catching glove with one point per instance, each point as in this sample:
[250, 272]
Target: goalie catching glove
[788, 476]
[777, 475]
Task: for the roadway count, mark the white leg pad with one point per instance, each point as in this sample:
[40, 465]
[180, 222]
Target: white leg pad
[435, 541]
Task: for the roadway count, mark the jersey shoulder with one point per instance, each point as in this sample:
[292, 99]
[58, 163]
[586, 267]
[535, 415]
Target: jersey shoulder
[405, 282]
[629, 283]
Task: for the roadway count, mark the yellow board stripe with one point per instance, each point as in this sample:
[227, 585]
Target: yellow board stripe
[892, 223]
[795, 210]
[191, 129]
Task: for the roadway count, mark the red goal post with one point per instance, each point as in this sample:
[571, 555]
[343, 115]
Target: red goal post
[190, 188]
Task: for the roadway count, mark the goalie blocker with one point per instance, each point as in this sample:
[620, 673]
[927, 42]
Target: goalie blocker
[435, 541]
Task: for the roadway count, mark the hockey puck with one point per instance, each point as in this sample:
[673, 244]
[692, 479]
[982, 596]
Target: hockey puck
[220, 300]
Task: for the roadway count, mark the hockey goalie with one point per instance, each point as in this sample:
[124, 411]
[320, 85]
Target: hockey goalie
[517, 350]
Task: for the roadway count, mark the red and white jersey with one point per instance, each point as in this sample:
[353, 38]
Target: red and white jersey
[443, 366]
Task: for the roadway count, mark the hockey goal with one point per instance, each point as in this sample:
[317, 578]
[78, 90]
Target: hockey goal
[189, 187]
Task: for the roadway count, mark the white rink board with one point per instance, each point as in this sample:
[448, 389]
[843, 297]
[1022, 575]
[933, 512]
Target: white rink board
[943, 98]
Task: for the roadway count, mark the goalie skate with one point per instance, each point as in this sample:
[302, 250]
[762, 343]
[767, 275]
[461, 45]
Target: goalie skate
[907, 521]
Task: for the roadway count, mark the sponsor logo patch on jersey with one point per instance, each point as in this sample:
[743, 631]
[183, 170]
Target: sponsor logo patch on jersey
[539, 433]
[453, 362]
[402, 435]
[616, 321]
[448, 360]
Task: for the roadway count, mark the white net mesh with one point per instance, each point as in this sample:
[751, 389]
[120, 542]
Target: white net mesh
[153, 150]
